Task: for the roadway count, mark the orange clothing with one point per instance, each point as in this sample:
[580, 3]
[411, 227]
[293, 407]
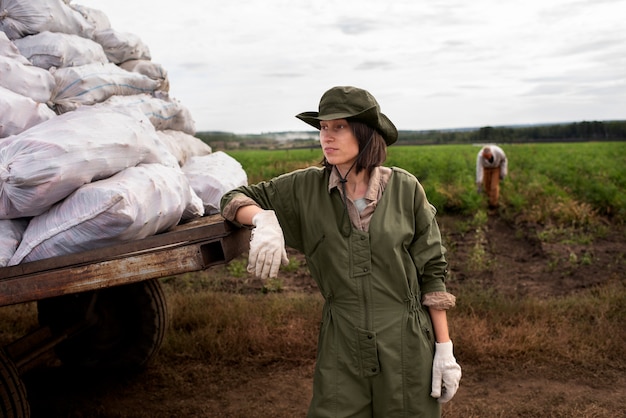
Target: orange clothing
[491, 184]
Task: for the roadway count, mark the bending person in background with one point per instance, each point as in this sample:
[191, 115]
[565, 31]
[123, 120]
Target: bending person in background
[491, 168]
[374, 248]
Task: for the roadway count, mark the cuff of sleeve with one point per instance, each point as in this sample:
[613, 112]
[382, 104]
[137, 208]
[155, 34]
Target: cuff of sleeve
[238, 201]
[439, 300]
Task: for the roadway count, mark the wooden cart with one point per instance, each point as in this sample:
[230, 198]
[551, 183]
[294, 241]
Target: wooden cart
[105, 308]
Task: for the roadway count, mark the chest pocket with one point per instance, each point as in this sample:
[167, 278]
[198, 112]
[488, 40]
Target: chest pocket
[361, 253]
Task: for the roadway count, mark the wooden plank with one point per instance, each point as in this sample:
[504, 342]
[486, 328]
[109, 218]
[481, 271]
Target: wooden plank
[189, 247]
[99, 275]
[209, 227]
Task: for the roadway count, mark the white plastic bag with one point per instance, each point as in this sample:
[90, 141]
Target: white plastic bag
[53, 49]
[150, 69]
[182, 145]
[210, 176]
[95, 17]
[135, 203]
[26, 17]
[121, 46]
[163, 112]
[11, 231]
[9, 50]
[26, 79]
[19, 113]
[94, 83]
[46, 163]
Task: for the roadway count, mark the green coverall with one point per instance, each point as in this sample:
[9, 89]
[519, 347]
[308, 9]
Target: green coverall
[376, 342]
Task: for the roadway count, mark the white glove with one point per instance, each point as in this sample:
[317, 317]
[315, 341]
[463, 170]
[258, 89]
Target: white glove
[445, 370]
[267, 246]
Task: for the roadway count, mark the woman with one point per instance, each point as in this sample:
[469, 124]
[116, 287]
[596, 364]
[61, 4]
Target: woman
[374, 249]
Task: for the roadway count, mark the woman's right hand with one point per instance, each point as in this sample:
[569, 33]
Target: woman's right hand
[267, 246]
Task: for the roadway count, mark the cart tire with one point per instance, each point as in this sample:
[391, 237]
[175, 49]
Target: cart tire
[13, 400]
[126, 326]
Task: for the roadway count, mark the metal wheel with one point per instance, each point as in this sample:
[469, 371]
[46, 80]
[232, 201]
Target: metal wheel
[117, 328]
[13, 400]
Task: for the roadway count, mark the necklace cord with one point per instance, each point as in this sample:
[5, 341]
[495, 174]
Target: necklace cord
[343, 180]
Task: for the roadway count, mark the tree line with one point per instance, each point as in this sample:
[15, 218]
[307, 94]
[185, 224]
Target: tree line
[569, 132]
[565, 132]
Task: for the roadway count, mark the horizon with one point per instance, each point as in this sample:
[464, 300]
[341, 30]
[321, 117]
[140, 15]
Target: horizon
[457, 129]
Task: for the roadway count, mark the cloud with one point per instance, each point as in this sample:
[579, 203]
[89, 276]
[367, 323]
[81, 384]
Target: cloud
[284, 75]
[550, 89]
[350, 26]
[374, 65]
[445, 63]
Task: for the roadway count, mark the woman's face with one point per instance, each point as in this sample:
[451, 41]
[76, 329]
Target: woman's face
[339, 144]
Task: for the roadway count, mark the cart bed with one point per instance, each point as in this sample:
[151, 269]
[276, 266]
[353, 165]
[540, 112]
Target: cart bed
[196, 245]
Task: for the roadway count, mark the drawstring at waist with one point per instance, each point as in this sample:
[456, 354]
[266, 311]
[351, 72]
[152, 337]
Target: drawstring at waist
[414, 303]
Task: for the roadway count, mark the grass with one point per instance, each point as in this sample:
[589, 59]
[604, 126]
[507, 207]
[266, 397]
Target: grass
[564, 341]
[584, 329]
[581, 330]
[226, 327]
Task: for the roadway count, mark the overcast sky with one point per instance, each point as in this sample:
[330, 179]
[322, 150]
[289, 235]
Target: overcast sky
[249, 66]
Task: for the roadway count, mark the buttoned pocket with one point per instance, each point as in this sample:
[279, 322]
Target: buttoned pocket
[367, 352]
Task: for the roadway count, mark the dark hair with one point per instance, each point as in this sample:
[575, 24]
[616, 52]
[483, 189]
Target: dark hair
[370, 155]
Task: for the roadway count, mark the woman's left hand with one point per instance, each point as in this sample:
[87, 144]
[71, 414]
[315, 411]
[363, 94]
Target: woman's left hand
[446, 373]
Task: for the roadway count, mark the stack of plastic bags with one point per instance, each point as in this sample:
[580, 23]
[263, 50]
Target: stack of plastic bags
[93, 150]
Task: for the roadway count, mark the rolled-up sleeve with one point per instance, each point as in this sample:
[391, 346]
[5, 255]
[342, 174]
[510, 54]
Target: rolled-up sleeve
[238, 200]
[439, 300]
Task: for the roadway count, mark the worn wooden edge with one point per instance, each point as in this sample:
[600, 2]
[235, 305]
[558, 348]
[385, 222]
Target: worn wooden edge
[162, 262]
[193, 246]
[207, 227]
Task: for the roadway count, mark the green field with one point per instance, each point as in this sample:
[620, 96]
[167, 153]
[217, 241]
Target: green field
[558, 182]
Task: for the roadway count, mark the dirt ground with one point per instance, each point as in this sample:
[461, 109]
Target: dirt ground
[519, 263]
